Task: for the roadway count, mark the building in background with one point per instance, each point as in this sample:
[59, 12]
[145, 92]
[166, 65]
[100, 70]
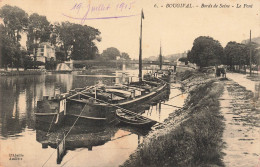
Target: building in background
[45, 52]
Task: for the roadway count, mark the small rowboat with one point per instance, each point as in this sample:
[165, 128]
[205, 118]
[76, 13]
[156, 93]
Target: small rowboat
[134, 119]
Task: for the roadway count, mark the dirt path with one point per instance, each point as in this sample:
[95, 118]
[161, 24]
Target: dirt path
[242, 80]
[242, 126]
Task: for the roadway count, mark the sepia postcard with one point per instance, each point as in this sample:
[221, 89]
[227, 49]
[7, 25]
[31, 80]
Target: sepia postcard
[104, 83]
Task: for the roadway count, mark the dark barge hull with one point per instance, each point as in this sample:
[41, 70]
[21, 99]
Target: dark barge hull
[89, 121]
[50, 112]
[101, 113]
[94, 112]
[51, 121]
[87, 113]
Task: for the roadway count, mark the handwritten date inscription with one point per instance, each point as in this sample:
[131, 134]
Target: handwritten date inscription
[84, 11]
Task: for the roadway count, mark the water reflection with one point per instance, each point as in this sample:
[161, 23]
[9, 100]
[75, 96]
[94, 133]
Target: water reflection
[88, 137]
[18, 99]
[80, 137]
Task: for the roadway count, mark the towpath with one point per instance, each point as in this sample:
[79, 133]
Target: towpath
[241, 112]
[242, 80]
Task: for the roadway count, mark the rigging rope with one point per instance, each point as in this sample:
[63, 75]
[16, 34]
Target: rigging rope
[50, 125]
[171, 105]
[176, 95]
[68, 131]
[65, 135]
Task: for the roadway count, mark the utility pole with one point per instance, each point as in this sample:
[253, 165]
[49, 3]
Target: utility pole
[250, 61]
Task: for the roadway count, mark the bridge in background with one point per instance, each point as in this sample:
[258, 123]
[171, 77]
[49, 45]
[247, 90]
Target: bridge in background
[115, 63]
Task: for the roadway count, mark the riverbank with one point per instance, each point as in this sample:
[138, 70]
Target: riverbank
[191, 136]
[26, 72]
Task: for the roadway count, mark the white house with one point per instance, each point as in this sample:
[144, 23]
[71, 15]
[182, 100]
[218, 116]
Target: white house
[45, 52]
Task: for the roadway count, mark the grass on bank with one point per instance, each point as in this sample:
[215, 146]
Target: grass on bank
[196, 141]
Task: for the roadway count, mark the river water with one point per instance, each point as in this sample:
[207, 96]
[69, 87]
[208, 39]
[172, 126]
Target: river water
[24, 145]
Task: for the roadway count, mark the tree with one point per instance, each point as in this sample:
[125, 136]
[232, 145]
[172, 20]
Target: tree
[239, 54]
[77, 41]
[15, 20]
[257, 56]
[27, 62]
[254, 52]
[64, 37]
[8, 48]
[50, 65]
[206, 52]
[83, 47]
[39, 30]
[235, 54]
[125, 56]
[111, 53]
[184, 60]
[54, 34]
[60, 56]
[11, 55]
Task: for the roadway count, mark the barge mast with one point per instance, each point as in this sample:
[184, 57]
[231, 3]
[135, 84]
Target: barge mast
[140, 48]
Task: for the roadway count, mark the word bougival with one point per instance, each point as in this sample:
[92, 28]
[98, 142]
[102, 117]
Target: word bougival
[179, 5]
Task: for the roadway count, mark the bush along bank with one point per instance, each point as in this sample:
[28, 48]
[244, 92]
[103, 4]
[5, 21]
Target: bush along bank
[190, 136]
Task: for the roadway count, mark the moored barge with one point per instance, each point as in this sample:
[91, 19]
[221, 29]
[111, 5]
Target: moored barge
[96, 104]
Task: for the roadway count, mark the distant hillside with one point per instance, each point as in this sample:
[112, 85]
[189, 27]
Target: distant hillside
[256, 40]
[175, 56]
[151, 58]
[171, 57]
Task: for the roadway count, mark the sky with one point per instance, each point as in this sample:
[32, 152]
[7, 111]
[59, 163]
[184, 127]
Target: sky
[176, 27]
